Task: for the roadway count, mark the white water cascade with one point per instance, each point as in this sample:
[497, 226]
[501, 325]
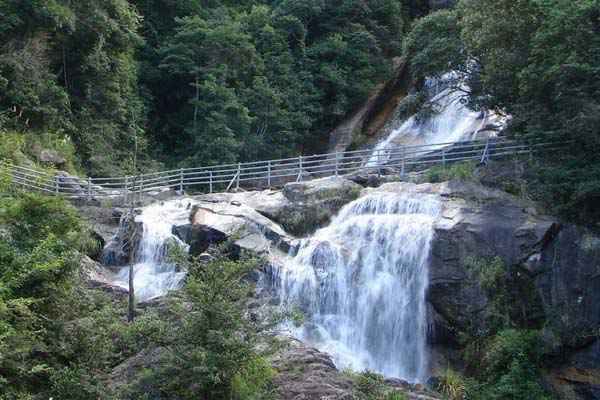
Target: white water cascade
[361, 283]
[453, 122]
[153, 275]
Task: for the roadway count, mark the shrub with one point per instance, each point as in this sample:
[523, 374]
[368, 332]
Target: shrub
[464, 171]
[369, 385]
[452, 385]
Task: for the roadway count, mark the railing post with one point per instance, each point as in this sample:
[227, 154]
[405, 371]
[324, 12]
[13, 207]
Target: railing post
[237, 182]
[126, 195]
[337, 166]
[141, 184]
[181, 181]
[444, 158]
[269, 174]
[89, 192]
[299, 178]
[56, 184]
[210, 181]
[403, 162]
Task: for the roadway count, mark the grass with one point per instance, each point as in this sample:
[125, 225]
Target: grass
[24, 148]
[464, 171]
[452, 385]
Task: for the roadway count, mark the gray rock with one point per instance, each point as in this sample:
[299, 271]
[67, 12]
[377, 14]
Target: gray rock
[311, 205]
[216, 221]
[52, 157]
[554, 269]
[117, 251]
[306, 373]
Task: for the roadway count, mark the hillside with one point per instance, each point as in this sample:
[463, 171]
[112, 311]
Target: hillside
[424, 278]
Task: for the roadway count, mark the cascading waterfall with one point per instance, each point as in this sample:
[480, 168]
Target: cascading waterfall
[361, 283]
[153, 274]
[453, 122]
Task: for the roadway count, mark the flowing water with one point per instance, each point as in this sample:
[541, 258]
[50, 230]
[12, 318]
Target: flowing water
[361, 283]
[154, 275]
[452, 122]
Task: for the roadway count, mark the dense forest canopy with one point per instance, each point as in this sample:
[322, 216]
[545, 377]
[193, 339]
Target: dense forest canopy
[198, 82]
[192, 82]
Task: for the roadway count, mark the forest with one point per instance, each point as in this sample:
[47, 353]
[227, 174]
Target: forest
[201, 82]
[123, 86]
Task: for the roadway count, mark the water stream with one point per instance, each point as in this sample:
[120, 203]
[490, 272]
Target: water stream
[154, 275]
[361, 283]
[452, 122]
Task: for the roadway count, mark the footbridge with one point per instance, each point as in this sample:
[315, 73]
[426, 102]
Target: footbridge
[400, 160]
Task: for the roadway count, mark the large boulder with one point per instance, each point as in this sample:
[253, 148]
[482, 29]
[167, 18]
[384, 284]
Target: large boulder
[216, 219]
[306, 373]
[310, 205]
[300, 208]
[48, 156]
[118, 250]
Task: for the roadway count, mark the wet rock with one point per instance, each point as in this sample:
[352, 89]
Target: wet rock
[312, 204]
[213, 222]
[96, 276]
[118, 250]
[553, 267]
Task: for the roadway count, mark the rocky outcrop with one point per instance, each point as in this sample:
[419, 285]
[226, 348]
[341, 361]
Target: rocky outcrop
[306, 373]
[554, 269]
[362, 125]
[96, 276]
[261, 220]
[215, 219]
[118, 249]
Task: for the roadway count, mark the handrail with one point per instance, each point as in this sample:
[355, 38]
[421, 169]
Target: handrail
[270, 173]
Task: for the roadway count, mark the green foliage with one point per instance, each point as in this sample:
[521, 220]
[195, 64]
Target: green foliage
[69, 68]
[211, 353]
[240, 81]
[536, 60]
[464, 171]
[371, 386]
[56, 338]
[509, 368]
[452, 385]
[505, 358]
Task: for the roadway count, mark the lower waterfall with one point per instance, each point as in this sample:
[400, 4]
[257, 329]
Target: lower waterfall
[153, 274]
[361, 283]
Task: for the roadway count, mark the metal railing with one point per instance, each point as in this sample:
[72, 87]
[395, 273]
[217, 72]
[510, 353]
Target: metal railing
[271, 173]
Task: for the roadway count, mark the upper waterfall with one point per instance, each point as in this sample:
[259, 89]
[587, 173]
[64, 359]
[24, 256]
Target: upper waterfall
[154, 275]
[361, 282]
[451, 122]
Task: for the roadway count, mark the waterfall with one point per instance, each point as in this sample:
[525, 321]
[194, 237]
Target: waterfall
[361, 283]
[453, 121]
[154, 275]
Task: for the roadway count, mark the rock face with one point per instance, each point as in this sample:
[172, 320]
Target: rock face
[264, 217]
[217, 218]
[52, 157]
[118, 249]
[556, 269]
[364, 123]
[306, 373]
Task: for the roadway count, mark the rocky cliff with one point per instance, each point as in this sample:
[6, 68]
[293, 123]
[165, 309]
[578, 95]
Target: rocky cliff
[552, 268]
